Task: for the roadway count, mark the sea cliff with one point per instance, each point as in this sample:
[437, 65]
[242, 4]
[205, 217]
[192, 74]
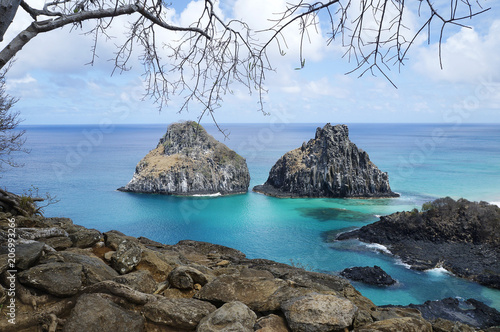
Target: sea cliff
[189, 161]
[329, 165]
[461, 236]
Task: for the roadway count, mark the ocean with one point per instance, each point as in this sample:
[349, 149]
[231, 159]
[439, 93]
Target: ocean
[83, 165]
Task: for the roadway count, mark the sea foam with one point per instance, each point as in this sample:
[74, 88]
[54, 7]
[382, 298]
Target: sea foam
[378, 247]
[207, 195]
[438, 271]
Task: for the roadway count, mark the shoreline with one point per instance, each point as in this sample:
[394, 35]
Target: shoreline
[99, 279]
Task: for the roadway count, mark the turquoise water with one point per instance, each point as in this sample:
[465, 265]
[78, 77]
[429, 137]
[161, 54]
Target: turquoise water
[83, 166]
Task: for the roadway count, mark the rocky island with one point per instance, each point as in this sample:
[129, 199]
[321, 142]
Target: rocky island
[461, 236]
[329, 165]
[72, 279]
[189, 161]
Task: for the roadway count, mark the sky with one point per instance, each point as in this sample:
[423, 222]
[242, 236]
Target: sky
[55, 85]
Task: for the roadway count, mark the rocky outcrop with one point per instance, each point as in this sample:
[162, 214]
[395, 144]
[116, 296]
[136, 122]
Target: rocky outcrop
[183, 287]
[189, 161]
[451, 311]
[331, 313]
[329, 165]
[232, 316]
[368, 275]
[461, 236]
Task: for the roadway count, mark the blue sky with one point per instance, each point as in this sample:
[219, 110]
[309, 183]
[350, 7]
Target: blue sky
[56, 87]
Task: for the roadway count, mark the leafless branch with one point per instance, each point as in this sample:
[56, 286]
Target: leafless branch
[375, 33]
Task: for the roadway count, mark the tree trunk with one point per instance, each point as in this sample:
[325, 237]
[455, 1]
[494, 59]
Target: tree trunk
[8, 9]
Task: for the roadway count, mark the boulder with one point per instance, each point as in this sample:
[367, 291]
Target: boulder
[127, 256]
[157, 263]
[319, 312]
[57, 242]
[197, 248]
[114, 238]
[94, 312]
[60, 279]
[394, 312]
[28, 253]
[271, 323]
[189, 161]
[329, 165]
[368, 275]
[406, 324]
[232, 316]
[94, 269]
[85, 238]
[141, 281]
[444, 325]
[34, 233]
[255, 292]
[470, 312]
[184, 277]
[177, 313]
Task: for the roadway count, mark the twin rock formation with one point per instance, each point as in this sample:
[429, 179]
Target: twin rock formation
[329, 165]
[189, 161]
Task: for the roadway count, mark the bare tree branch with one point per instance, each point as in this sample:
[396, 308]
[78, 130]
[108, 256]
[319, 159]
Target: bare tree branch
[376, 32]
[204, 60]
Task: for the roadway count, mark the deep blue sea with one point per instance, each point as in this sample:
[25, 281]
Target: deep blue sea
[84, 165]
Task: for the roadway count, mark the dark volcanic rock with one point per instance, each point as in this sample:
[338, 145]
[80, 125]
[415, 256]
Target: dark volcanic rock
[127, 255]
[85, 238]
[27, 254]
[329, 165]
[460, 236]
[368, 275]
[471, 312]
[60, 279]
[189, 161]
[94, 312]
[232, 316]
[319, 312]
[178, 313]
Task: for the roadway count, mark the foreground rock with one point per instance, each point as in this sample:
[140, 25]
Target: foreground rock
[368, 275]
[461, 236]
[331, 313]
[91, 310]
[329, 165]
[189, 161]
[232, 316]
[184, 287]
[469, 312]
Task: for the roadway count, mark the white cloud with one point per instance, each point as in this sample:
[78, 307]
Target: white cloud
[467, 56]
[260, 15]
[26, 79]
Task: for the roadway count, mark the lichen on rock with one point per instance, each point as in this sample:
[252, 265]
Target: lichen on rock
[329, 165]
[189, 161]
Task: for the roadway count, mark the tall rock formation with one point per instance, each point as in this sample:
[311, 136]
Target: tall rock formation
[189, 161]
[329, 165]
